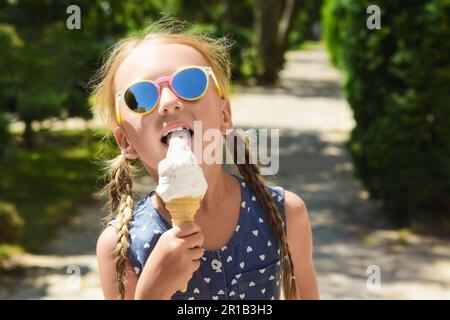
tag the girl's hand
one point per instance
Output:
(172, 262)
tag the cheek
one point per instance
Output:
(208, 111)
(145, 142)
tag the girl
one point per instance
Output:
(248, 239)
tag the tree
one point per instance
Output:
(273, 20)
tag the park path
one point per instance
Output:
(350, 240)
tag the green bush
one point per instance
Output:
(4, 133)
(332, 29)
(10, 222)
(398, 85)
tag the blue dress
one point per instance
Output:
(249, 266)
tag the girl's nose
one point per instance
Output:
(168, 101)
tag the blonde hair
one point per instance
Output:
(120, 170)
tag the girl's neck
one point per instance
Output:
(219, 184)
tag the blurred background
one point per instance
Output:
(362, 98)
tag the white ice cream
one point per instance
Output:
(179, 173)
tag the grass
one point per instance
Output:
(48, 182)
(7, 250)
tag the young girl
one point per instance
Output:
(248, 240)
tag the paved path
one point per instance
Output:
(351, 240)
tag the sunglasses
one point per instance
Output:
(189, 83)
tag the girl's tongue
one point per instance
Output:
(182, 134)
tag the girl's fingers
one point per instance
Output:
(187, 228)
(194, 240)
(196, 253)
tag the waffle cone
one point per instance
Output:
(183, 209)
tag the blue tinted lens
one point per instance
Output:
(141, 97)
(190, 83)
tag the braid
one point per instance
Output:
(121, 202)
(252, 177)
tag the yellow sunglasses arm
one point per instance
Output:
(117, 107)
(219, 91)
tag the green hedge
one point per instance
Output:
(4, 134)
(398, 85)
(332, 29)
(10, 222)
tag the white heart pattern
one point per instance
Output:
(196, 290)
(232, 293)
(224, 248)
(237, 228)
(207, 280)
(243, 204)
(216, 264)
(242, 296)
(233, 281)
(204, 258)
(215, 298)
(229, 258)
(255, 232)
(136, 270)
(220, 292)
(147, 245)
(253, 198)
(243, 184)
(157, 231)
(269, 243)
(191, 298)
(251, 284)
(271, 278)
(238, 276)
(262, 256)
(242, 265)
(261, 220)
(263, 290)
(262, 270)
(249, 249)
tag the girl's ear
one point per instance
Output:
(226, 116)
(124, 144)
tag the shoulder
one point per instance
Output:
(293, 203)
(106, 242)
(295, 210)
(288, 201)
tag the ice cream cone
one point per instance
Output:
(183, 210)
(181, 182)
